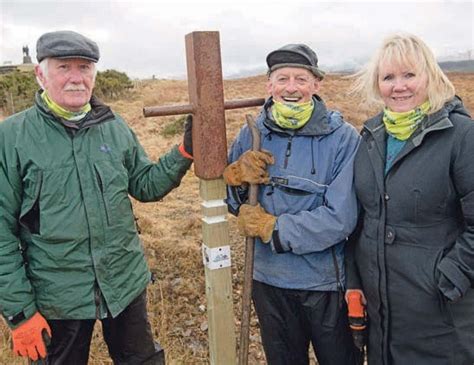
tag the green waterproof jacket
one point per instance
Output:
(68, 241)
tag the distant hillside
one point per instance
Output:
(449, 66)
(458, 66)
(349, 67)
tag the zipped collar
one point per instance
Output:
(375, 128)
(318, 125)
(99, 113)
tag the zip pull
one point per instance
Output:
(288, 151)
(288, 146)
(272, 188)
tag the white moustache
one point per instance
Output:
(75, 88)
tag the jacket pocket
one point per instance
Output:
(100, 184)
(112, 182)
(51, 202)
(445, 309)
(444, 305)
(292, 194)
(430, 202)
(30, 210)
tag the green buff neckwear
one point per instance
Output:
(402, 125)
(63, 113)
(292, 115)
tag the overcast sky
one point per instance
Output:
(145, 38)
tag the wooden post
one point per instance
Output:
(206, 95)
(216, 257)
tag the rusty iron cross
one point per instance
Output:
(207, 105)
(206, 95)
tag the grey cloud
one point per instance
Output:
(145, 39)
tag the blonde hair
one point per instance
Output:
(404, 49)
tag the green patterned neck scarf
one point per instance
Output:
(63, 113)
(292, 115)
(402, 125)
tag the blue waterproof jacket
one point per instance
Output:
(311, 193)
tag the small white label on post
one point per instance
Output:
(216, 257)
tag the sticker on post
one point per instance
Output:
(216, 257)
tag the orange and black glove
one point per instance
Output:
(186, 147)
(356, 312)
(355, 293)
(28, 338)
(253, 221)
(249, 168)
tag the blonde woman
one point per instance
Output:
(413, 253)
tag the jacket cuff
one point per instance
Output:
(15, 321)
(353, 280)
(276, 242)
(177, 157)
(448, 289)
(277, 245)
(452, 282)
(183, 152)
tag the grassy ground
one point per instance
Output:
(171, 228)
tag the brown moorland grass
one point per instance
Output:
(171, 228)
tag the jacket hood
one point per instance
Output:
(318, 125)
(457, 105)
(454, 105)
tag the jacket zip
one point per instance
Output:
(309, 180)
(417, 203)
(101, 188)
(288, 151)
(35, 225)
(340, 286)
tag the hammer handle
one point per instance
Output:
(249, 253)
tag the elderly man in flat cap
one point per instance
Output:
(307, 207)
(69, 249)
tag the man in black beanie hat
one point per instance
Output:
(307, 207)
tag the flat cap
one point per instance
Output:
(294, 55)
(66, 44)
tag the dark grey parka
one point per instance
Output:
(413, 252)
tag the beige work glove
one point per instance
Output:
(253, 221)
(249, 168)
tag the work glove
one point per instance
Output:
(28, 338)
(357, 316)
(249, 168)
(253, 221)
(186, 148)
